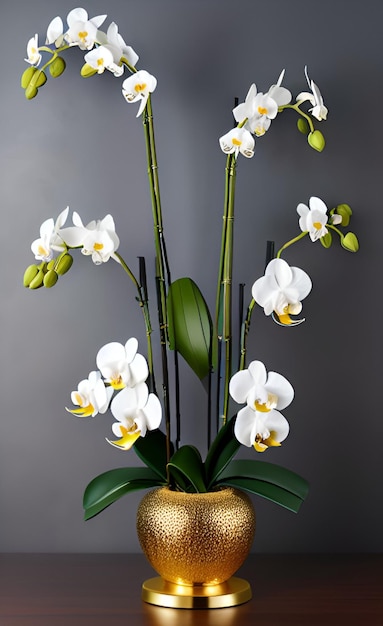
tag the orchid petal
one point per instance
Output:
(55, 30)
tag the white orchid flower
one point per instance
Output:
(318, 110)
(49, 241)
(281, 95)
(238, 140)
(245, 110)
(265, 110)
(101, 59)
(260, 108)
(34, 56)
(122, 366)
(138, 87)
(137, 411)
(281, 290)
(313, 218)
(261, 430)
(113, 41)
(98, 238)
(261, 390)
(91, 397)
(82, 31)
(259, 424)
(55, 32)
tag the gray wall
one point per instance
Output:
(79, 143)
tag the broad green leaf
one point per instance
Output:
(222, 450)
(268, 472)
(187, 463)
(112, 485)
(189, 325)
(265, 490)
(152, 451)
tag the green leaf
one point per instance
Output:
(108, 487)
(270, 473)
(187, 469)
(151, 449)
(189, 325)
(221, 451)
(266, 490)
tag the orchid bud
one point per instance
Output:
(57, 67)
(63, 264)
(345, 211)
(27, 76)
(303, 126)
(316, 140)
(87, 70)
(39, 78)
(50, 278)
(31, 92)
(350, 242)
(38, 280)
(326, 240)
(30, 274)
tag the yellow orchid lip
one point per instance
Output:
(127, 440)
(286, 320)
(82, 411)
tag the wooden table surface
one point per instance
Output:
(105, 590)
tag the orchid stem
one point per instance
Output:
(245, 327)
(296, 108)
(161, 259)
(224, 290)
(143, 302)
(290, 243)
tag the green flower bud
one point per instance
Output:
(345, 211)
(316, 140)
(31, 92)
(303, 126)
(37, 281)
(87, 70)
(326, 240)
(51, 264)
(27, 76)
(50, 278)
(30, 274)
(57, 67)
(64, 263)
(39, 79)
(350, 242)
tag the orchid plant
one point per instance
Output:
(124, 381)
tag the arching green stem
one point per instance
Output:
(336, 230)
(296, 108)
(290, 243)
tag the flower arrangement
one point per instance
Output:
(124, 381)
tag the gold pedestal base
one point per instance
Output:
(162, 593)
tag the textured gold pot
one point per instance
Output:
(196, 538)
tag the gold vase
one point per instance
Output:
(196, 542)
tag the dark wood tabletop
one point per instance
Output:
(105, 590)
